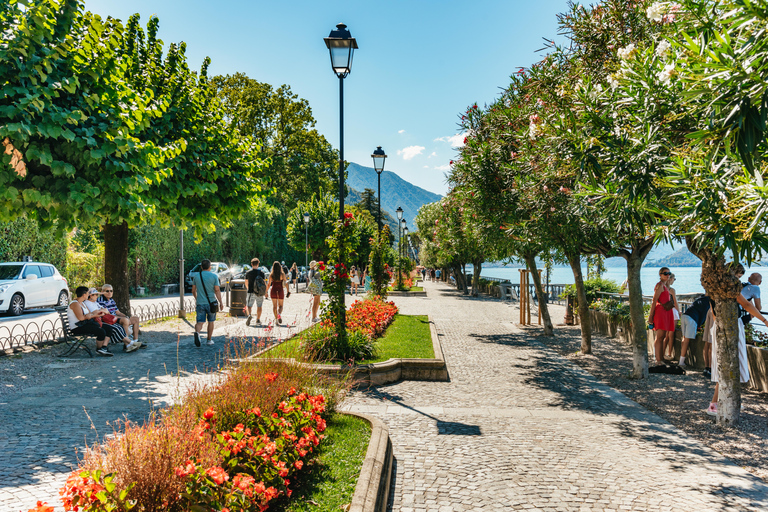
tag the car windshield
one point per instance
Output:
(10, 271)
(196, 268)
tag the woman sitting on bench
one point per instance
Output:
(114, 330)
(82, 321)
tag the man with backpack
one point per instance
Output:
(256, 285)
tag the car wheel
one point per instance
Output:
(63, 299)
(16, 306)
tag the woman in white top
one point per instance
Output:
(82, 321)
(115, 332)
(355, 277)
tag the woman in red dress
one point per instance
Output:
(662, 319)
(276, 284)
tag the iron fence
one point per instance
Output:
(48, 330)
(552, 291)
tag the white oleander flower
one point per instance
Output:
(662, 49)
(627, 52)
(612, 81)
(667, 73)
(656, 11)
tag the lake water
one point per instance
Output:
(687, 279)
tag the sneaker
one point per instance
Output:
(707, 373)
(315, 320)
(279, 320)
(144, 344)
(133, 346)
(209, 342)
(712, 409)
(258, 323)
(248, 320)
(104, 352)
(197, 339)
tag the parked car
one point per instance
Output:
(222, 270)
(31, 284)
(303, 274)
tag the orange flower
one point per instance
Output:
(217, 474)
(209, 413)
(271, 377)
(42, 506)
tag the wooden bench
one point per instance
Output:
(72, 342)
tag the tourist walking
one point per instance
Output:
(256, 286)
(205, 289)
(742, 350)
(355, 280)
(661, 319)
(295, 276)
(669, 342)
(315, 287)
(277, 285)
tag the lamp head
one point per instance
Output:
(378, 159)
(341, 46)
(306, 218)
(399, 212)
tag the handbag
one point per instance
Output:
(670, 304)
(109, 319)
(214, 304)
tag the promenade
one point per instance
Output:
(517, 426)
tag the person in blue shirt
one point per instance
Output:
(205, 289)
(690, 321)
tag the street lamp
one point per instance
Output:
(405, 234)
(182, 309)
(341, 46)
(306, 240)
(378, 164)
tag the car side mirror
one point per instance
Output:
(30, 277)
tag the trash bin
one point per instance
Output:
(238, 296)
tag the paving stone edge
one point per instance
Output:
(372, 489)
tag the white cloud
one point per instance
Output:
(456, 141)
(400, 131)
(410, 152)
(443, 167)
(434, 153)
(426, 167)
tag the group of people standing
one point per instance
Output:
(665, 311)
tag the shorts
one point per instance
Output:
(252, 297)
(204, 313)
(688, 326)
(277, 293)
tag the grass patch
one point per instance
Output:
(411, 289)
(329, 481)
(408, 336)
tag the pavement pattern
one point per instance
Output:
(521, 428)
(516, 428)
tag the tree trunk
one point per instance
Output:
(116, 264)
(530, 260)
(637, 316)
(723, 287)
(477, 266)
(586, 324)
(464, 286)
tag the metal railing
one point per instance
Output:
(684, 304)
(49, 329)
(552, 291)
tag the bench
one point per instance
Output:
(72, 342)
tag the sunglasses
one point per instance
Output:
(107, 291)
(665, 273)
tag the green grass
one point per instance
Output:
(411, 289)
(408, 336)
(328, 483)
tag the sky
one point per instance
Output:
(419, 65)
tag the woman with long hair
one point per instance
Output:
(661, 319)
(315, 287)
(276, 284)
(669, 343)
(355, 280)
(295, 276)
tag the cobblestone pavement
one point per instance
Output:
(521, 428)
(42, 426)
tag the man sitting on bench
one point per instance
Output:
(106, 301)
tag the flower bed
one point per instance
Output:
(230, 446)
(371, 316)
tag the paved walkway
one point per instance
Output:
(520, 428)
(79, 399)
(516, 428)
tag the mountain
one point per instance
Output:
(395, 191)
(680, 258)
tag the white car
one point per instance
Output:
(31, 284)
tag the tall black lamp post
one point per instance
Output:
(400, 219)
(306, 240)
(378, 164)
(405, 234)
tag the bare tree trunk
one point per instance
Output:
(464, 287)
(723, 287)
(530, 260)
(477, 266)
(635, 260)
(116, 264)
(586, 324)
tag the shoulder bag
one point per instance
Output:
(214, 304)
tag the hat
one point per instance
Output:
(312, 264)
(94, 291)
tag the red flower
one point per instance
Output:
(186, 470)
(292, 391)
(209, 413)
(271, 377)
(348, 215)
(42, 506)
(217, 474)
(298, 464)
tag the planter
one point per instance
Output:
(372, 489)
(395, 293)
(386, 372)
(758, 368)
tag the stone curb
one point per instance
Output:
(372, 489)
(395, 293)
(389, 371)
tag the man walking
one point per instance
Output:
(256, 284)
(205, 289)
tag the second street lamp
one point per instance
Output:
(378, 164)
(306, 241)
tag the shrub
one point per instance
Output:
(322, 344)
(85, 269)
(371, 316)
(591, 287)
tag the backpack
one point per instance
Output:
(260, 285)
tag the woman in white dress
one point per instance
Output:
(742, 349)
(355, 276)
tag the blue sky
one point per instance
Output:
(420, 63)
